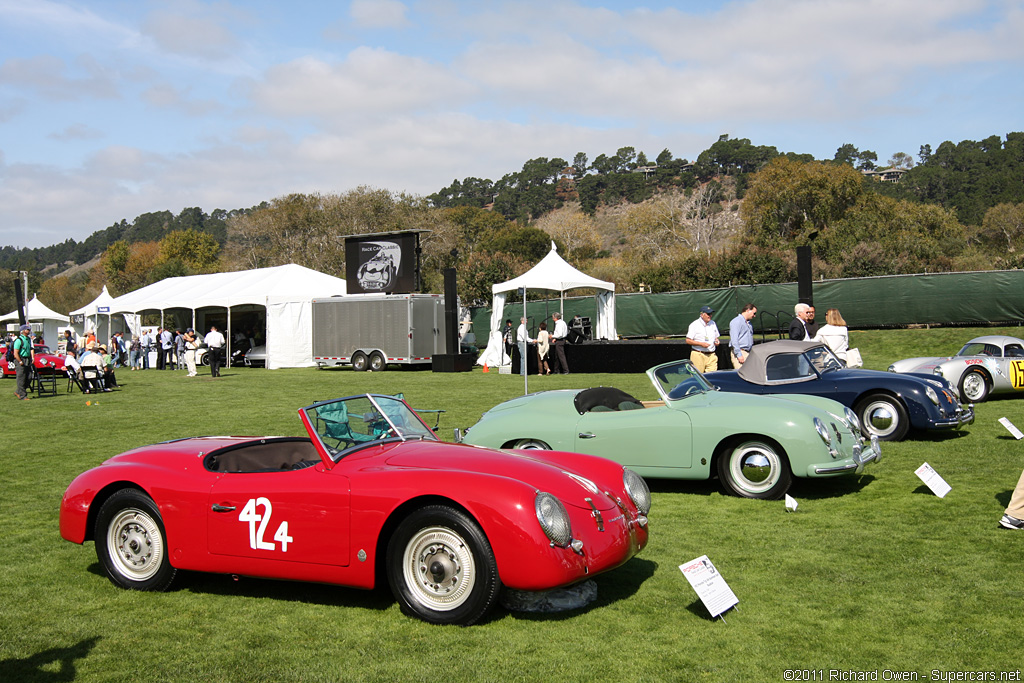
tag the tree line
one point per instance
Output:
(733, 215)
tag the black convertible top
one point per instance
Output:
(607, 398)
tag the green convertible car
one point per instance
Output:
(755, 444)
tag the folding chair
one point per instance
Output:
(44, 383)
(93, 379)
(73, 380)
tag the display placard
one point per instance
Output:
(709, 585)
(381, 264)
(1012, 428)
(932, 480)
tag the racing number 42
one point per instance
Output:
(250, 515)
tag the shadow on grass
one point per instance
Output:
(936, 436)
(328, 595)
(55, 664)
(614, 586)
(819, 489)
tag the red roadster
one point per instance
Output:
(372, 492)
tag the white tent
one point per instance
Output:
(37, 312)
(97, 316)
(286, 292)
(552, 273)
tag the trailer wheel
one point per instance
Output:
(359, 361)
(377, 362)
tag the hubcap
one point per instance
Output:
(974, 386)
(439, 568)
(880, 418)
(755, 468)
(134, 544)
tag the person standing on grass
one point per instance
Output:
(190, 351)
(703, 338)
(558, 363)
(1013, 516)
(214, 346)
(741, 335)
(24, 360)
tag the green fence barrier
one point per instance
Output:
(977, 298)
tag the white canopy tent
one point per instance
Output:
(554, 274)
(286, 291)
(98, 316)
(39, 313)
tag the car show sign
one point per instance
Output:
(709, 585)
(932, 480)
(382, 263)
(1012, 428)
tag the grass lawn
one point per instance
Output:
(871, 574)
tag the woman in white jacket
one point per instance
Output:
(834, 333)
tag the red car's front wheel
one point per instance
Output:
(441, 567)
(131, 543)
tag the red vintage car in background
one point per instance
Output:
(371, 492)
(44, 361)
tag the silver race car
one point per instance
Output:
(993, 364)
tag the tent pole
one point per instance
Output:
(227, 340)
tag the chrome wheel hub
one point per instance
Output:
(134, 544)
(439, 568)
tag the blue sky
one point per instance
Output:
(112, 108)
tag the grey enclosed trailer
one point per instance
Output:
(369, 332)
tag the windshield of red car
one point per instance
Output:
(347, 423)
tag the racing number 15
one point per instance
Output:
(249, 514)
(1017, 374)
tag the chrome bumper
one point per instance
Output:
(964, 416)
(861, 456)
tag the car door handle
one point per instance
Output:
(587, 435)
(223, 508)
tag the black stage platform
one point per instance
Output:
(624, 355)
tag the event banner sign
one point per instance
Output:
(381, 264)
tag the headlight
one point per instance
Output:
(932, 396)
(937, 371)
(822, 431)
(852, 418)
(892, 368)
(553, 518)
(637, 489)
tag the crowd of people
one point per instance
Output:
(550, 346)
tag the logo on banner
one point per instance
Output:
(380, 261)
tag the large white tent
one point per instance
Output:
(554, 274)
(39, 313)
(286, 291)
(98, 317)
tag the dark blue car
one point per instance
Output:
(887, 404)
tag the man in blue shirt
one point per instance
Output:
(741, 335)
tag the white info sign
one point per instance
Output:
(932, 480)
(709, 585)
(1012, 428)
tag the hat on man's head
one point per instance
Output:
(25, 328)
(707, 309)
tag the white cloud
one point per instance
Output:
(78, 131)
(190, 36)
(47, 77)
(378, 13)
(369, 81)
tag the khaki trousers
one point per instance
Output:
(704, 362)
